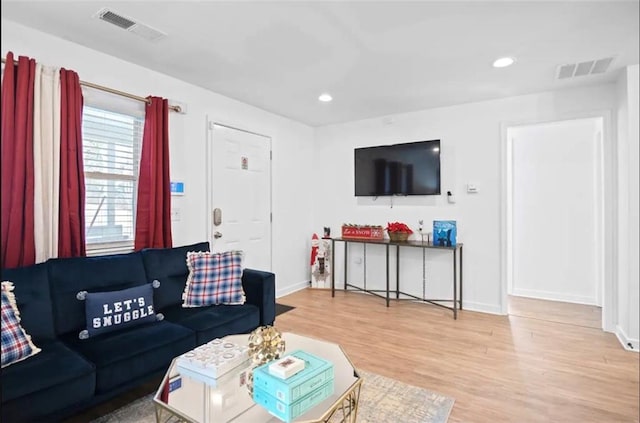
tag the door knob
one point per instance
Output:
(217, 235)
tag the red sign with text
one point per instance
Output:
(363, 232)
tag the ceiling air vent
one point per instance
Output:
(590, 67)
(131, 25)
(115, 19)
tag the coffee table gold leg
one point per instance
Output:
(354, 399)
(348, 407)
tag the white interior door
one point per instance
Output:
(240, 187)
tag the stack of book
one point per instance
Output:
(211, 361)
(292, 385)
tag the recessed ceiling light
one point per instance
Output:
(503, 62)
(325, 97)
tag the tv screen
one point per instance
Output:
(400, 169)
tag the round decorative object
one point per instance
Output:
(250, 381)
(398, 236)
(265, 344)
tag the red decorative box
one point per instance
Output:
(363, 232)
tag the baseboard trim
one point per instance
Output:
(292, 288)
(482, 307)
(554, 296)
(627, 343)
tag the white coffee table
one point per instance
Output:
(229, 401)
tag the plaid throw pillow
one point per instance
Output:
(16, 344)
(214, 278)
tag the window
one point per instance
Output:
(111, 152)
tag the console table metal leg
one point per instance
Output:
(455, 284)
(424, 274)
(461, 266)
(346, 247)
(364, 254)
(388, 275)
(333, 275)
(397, 272)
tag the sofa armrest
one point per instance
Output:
(260, 290)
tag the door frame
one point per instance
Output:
(607, 213)
(211, 122)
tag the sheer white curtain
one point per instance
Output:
(46, 158)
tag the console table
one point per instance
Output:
(456, 251)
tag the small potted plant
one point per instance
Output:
(398, 231)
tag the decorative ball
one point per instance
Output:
(265, 344)
(250, 382)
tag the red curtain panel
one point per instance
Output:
(153, 213)
(17, 233)
(71, 240)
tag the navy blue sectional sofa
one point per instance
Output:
(71, 374)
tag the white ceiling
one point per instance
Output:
(375, 58)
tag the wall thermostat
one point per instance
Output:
(177, 188)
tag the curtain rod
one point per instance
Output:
(114, 91)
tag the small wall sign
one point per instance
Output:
(244, 162)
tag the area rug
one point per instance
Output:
(382, 400)
(282, 308)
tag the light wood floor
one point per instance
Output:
(498, 368)
(555, 311)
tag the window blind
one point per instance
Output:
(111, 154)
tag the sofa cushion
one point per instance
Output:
(116, 310)
(123, 356)
(92, 274)
(52, 380)
(215, 321)
(169, 266)
(31, 288)
(214, 278)
(16, 343)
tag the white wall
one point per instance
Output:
(633, 79)
(556, 210)
(627, 187)
(303, 203)
(291, 141)
(471, 153)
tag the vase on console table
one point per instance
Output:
(398, 236)
(398, 231)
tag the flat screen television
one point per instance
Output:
(400, 169)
